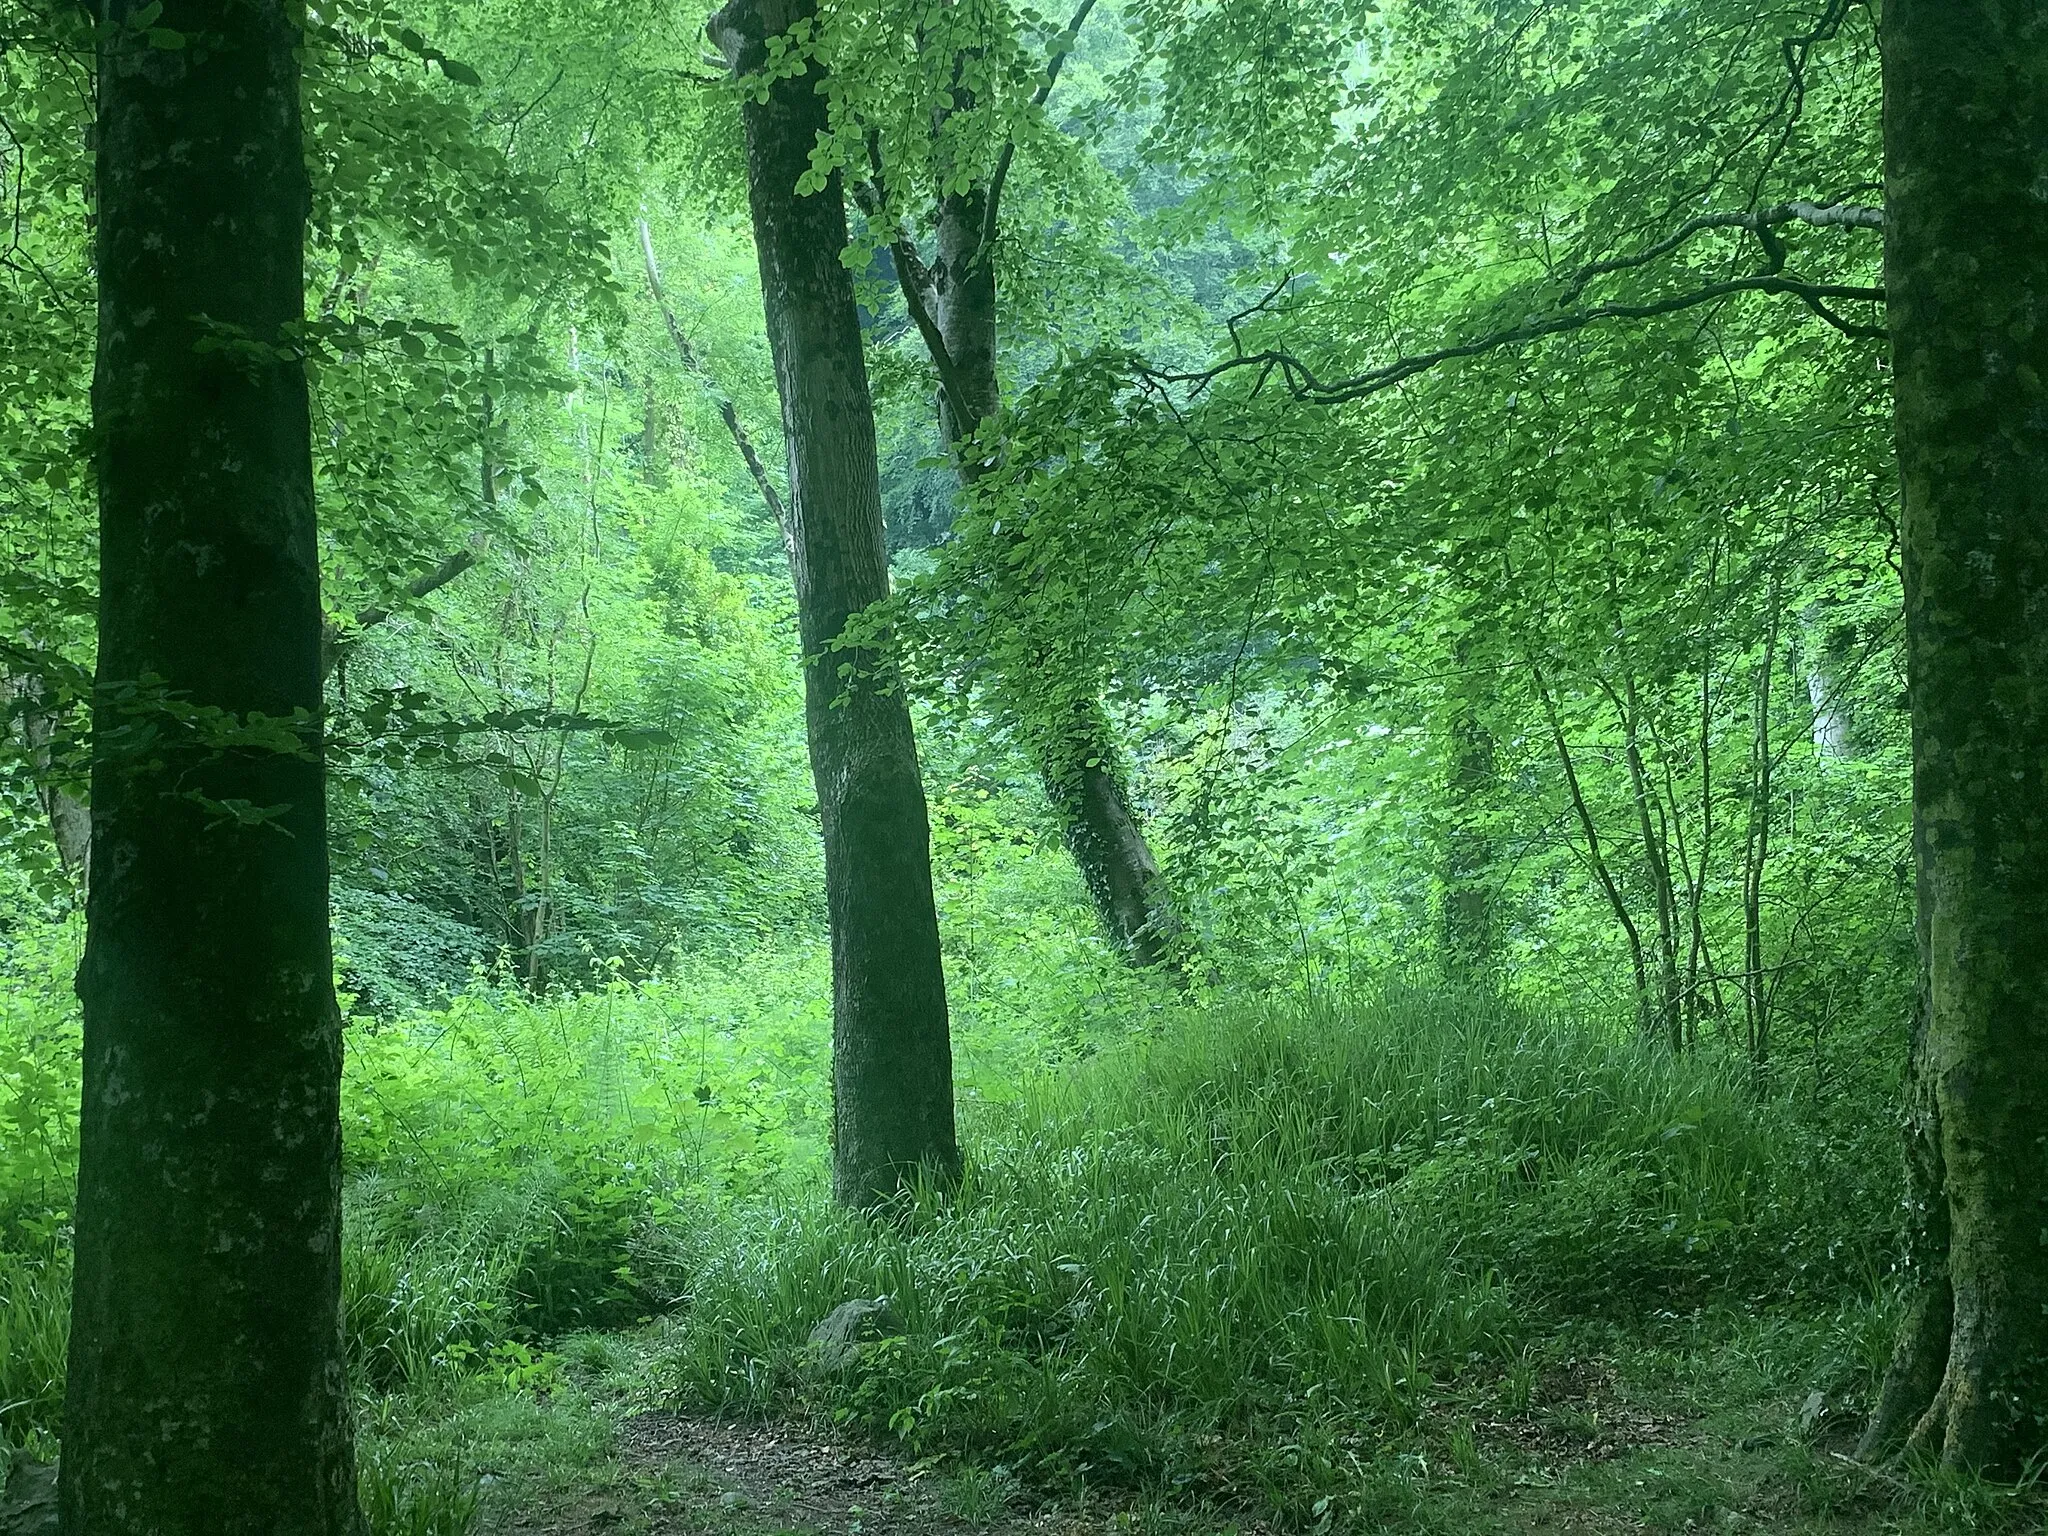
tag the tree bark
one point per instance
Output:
(206, 1391)
(1467, 920)
(1965, 129)
(1920, 1355)
(70, 822)
(892, 1067)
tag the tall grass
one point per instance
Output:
(1264, 1222)
(35, 1327)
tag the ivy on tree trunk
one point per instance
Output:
(1073, 749)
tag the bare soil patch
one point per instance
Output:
(686, 1474)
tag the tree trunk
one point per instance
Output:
(1471, 773)
(1756, 852)
(70, 822)
(1652, 828)
(1920, 1355)
(206, 1391)
(1965, 122)
(1124, 880)
(892, 1067)
(1596, 860)
(964, 282)
(1077, 760)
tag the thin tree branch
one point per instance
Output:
(1039, 98)
(1759, 222)
(334, 641)
(726, 410)
(1305, 386)
(1764, 223)
(915, 279)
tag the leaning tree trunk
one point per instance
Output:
(206, 1392)
(892, 1065)
(1084, 782)
(1075, 754)
(1966, 226)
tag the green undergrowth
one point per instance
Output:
(520, 1168)
(1214, 1258)
(1204, 1251)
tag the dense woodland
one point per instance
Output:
(1191, 766)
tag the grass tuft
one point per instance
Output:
(35, 1330)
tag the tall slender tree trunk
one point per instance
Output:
(206, 1392)
(1075, 753)
(1596, 859)
(1699, 960)
(1467, 919)
(1756, 851)
(70, 822)
(1652, 828)
(892, 1065)
(1966, 226)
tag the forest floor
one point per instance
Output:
(1619, 1435)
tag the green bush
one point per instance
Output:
(39, 1072)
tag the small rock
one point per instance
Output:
(1811, 1410)
(835, 1342)
(28, 1502)
(732, 1501)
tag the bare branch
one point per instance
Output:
(1303, 384)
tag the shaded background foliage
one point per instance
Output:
(1564, 675)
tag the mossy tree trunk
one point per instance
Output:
(206, 1392)
(1966, 274)
(892, 1067)
(1084, 781)
(1074, 751)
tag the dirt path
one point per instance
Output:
(1585, 1455)
(693, 1475)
